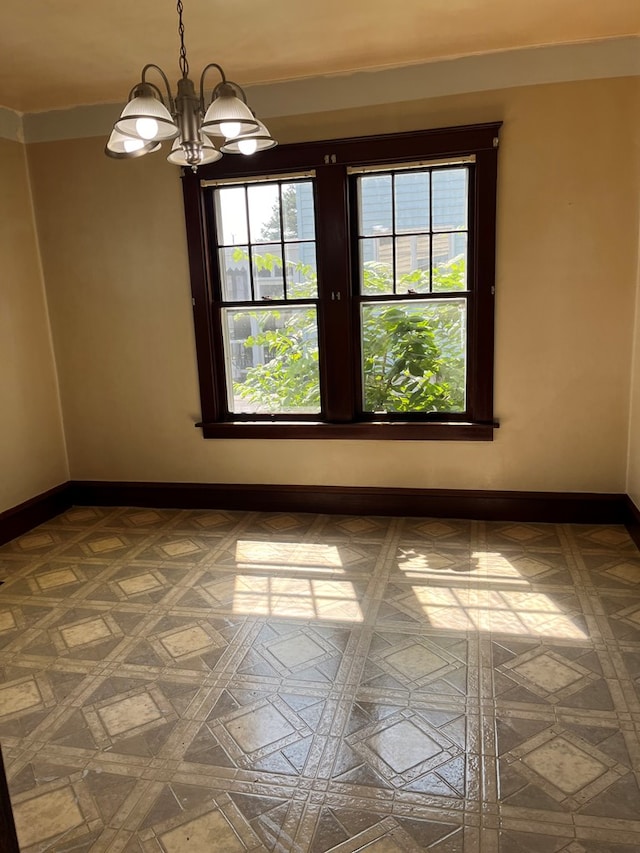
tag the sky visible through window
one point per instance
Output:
(233, 225)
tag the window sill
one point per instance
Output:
(381, 431)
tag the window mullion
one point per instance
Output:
(394, 261)
(483, 198)
(249, 246)
(334, 291)
(282, 244)
(431, 231)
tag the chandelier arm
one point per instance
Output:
(202, 76)
(239, 89)
(151, 86)
(146, 68)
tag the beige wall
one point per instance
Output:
(633, 470)
(633, 462)
(114, 253)
(32, 452)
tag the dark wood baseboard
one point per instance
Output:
(8, 837)
(24, 517)
(633, 520)
(554, 507)
(444, 503)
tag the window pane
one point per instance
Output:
(298, 211)
(268, 275)
(449, 199)
(301, 270)
(272, 360)
(264, 212)
(376, 265)
(374, 195)
(412, 201)
(412, 263)
(450, 261)
(231, 216)
(234, 274)
(414, 356)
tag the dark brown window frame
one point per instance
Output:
(338, 322)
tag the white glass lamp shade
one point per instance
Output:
(209, 153)
(124, 147)
(228, 116)
(147, 118)
(247, 143)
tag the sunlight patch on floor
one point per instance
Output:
(292, 556)
(301, 598)
(515, 610)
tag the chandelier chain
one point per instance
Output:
(184, 63)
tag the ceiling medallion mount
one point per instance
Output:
(151, 117)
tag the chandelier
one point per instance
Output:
(150, 118)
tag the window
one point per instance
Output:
(345, 289)
(264, 251)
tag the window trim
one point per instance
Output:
(331, 159)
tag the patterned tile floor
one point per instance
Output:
(215, 681)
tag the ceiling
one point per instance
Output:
(63, 53)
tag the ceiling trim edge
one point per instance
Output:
(508, 69)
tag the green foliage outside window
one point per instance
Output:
(413, 352)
